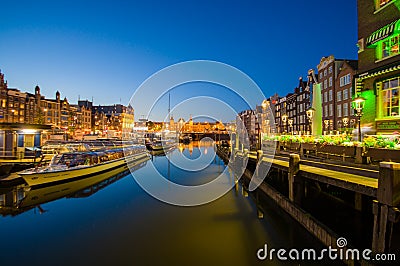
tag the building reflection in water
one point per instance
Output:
(196, 144)
(18, 199)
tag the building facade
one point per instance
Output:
(344, 89)
(113, 120)
(328, 70)
(303, 104)
(280, 111)
(247, 125)
(378, 81)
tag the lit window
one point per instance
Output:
(390, 97)
(330, 96)
(330, 109)
(325, 96)
(325, 84)
(330, 70)
(389, 47)
(381, 3)
(326, 110)
(325, 73)
(330, 81)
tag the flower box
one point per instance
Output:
(308, 148)
(380, 154)
(290, 146)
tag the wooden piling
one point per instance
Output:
(388, 196)
(294, 167)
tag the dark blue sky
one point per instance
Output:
(106, 49)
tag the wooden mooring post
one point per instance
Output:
(384, 208)
(296, 182)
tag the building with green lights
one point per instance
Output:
(378, 80)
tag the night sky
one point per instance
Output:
(106, 49)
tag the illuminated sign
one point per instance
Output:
(388, 125)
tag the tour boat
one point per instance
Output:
(77, 165)
(32, 197)
(160, 145)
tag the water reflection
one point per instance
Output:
(123, 225)
(21, 198)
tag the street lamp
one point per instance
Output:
(345, 123)
(310, 113)
(326, 122)
(290, 122)
(284, 119)
(358, 106)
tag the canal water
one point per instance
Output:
(117, 223)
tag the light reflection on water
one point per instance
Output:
(122, 225)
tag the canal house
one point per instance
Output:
(378, 81)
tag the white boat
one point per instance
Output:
(49, 150)
(77, 165)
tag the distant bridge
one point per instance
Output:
(200, 135)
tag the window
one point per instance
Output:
(330, 109)
(360, 45)
(345, 80)
(325, 97)
(330, 82)
(345, 109)
(381, 3)
(326, 110)
(350, 92)
(339, 96)
(320, 75)
(330, 95)
(389, 47)
(325, 73)
(339, 110)
(345, 94)
(390, 97)
(325, 84)
(330, 70)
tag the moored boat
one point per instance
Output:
(76, 165)
(160, 145)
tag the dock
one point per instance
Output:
(377, 183)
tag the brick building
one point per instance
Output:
(378, 80)
(344, 89)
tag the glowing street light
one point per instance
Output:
(284, 119)
(358, 106)
(310, 114)
(326, 122)
(290, 122)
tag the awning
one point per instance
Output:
(378, 72)
(383, 33)
(359, 84)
